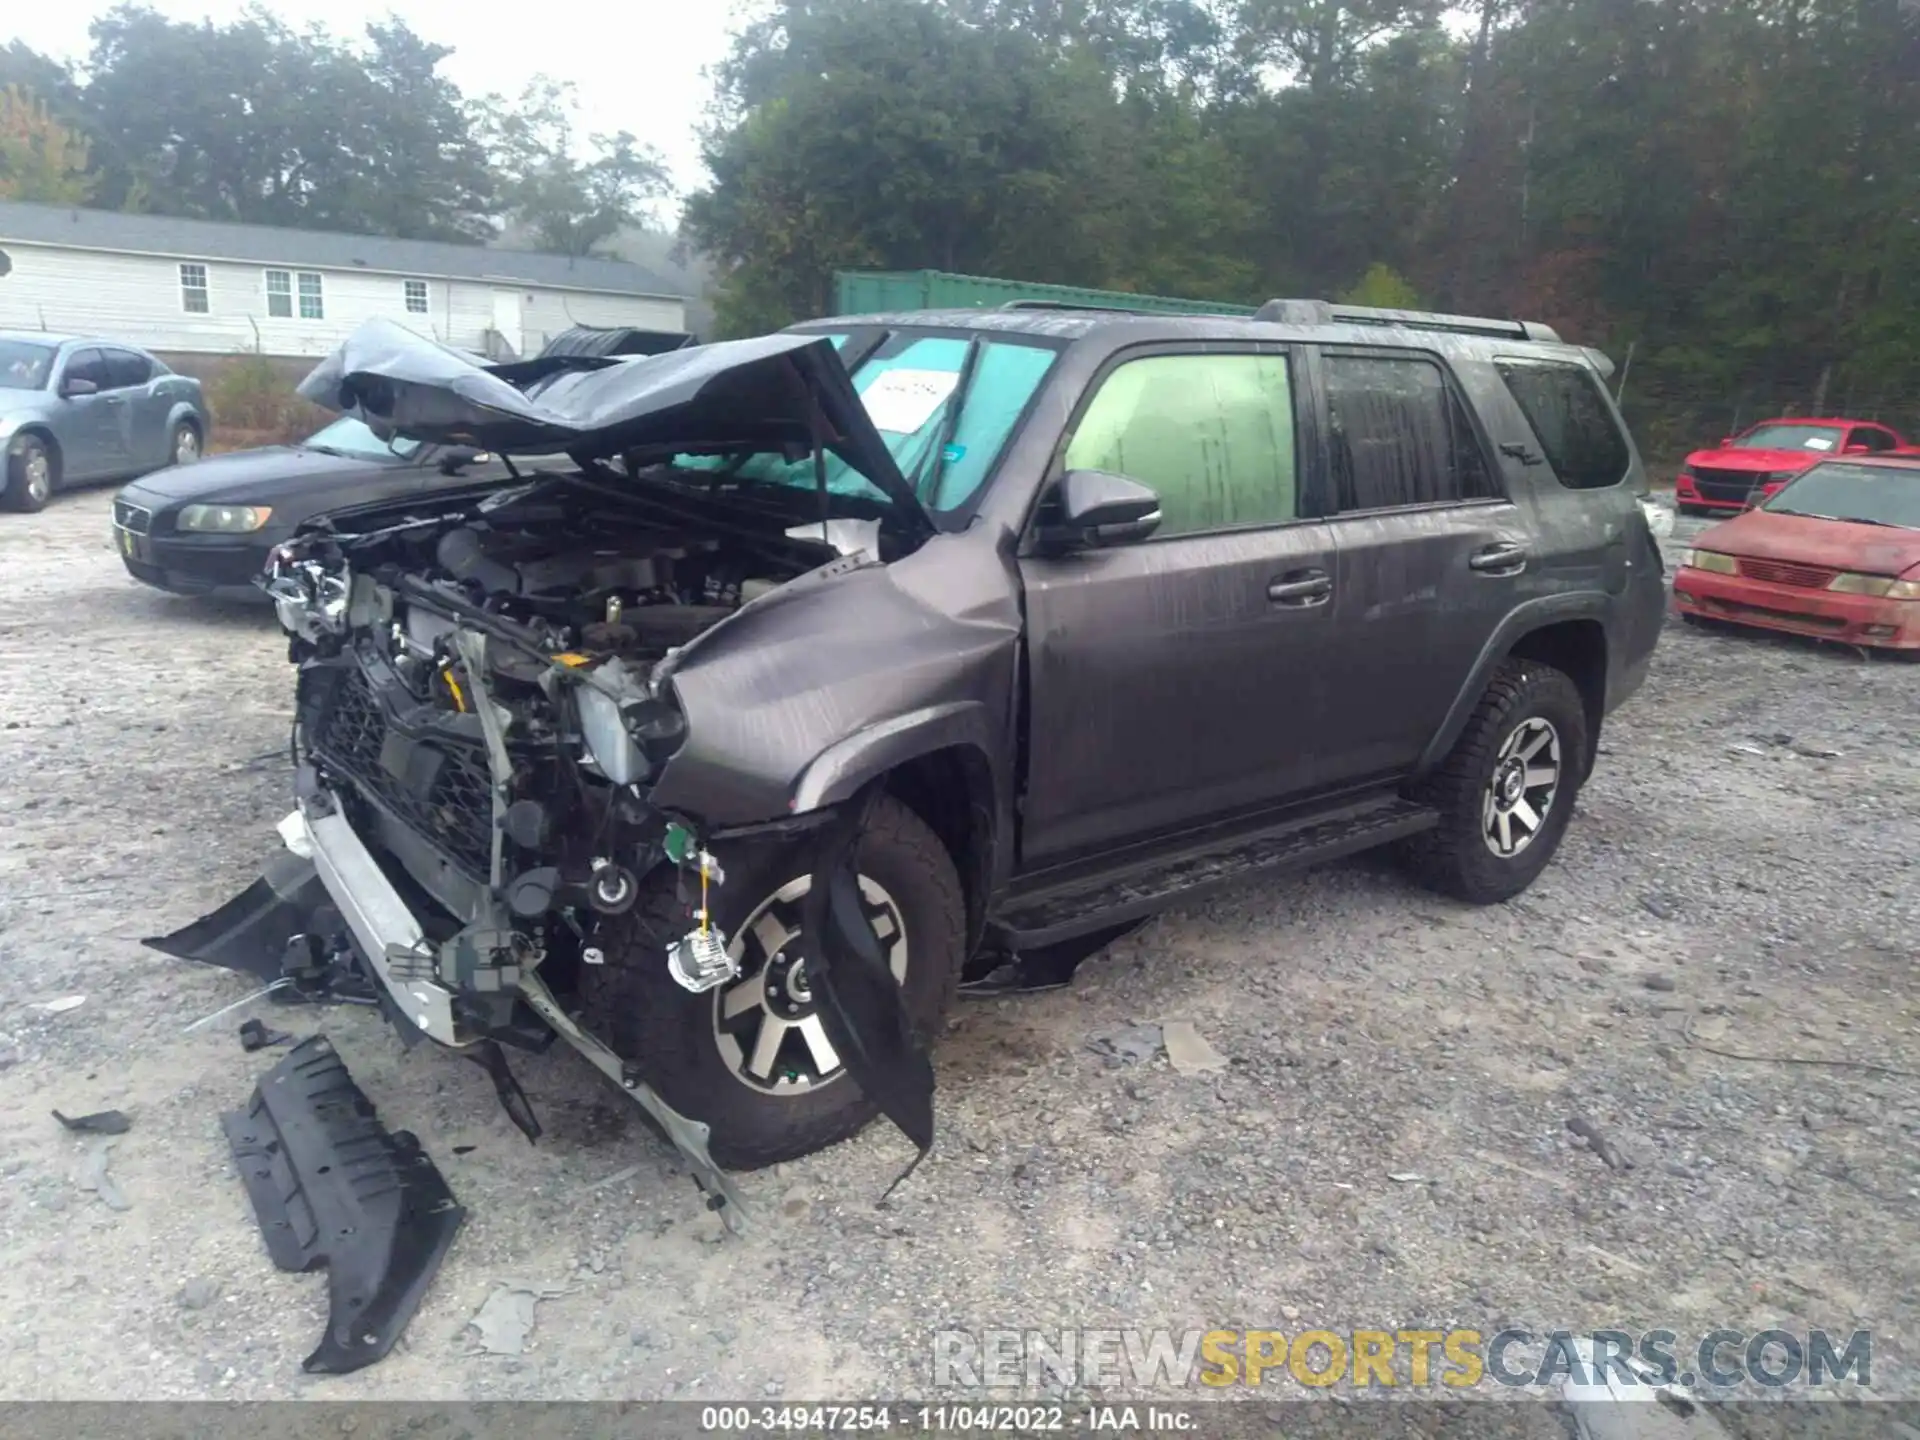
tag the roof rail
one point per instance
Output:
(1322, 312)
(1075, 305)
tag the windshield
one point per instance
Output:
(1872, 494)
(1790, 437)
(909, 385)
(24, 366)
(347, 436)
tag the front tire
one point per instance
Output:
(32, 472)
(1506, 792)
(751, 1059)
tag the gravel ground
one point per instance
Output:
(1741, 875)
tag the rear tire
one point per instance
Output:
(32, 474)
(183, 446)
(1506, 792)
(778, 1103)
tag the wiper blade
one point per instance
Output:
(926, 484)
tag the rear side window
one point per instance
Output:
(1399, 435)
(126, 369)
(1570, 416)
(1211, 435)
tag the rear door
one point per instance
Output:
(1432, 554)
(144, 418)
(1181, 678)
(88, 426)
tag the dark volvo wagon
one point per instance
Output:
(838, 665)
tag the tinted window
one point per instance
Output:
(126, 369)
(1872, 439)
(1212, 435)
(87, 365)
(1569, 414)
(1398, 435)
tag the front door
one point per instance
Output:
(1182, 677)
(88, 426)
(509, 321)
(1432, 554)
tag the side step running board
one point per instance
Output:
(1051, 916)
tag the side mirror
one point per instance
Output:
(1726, 441)
(75, 386)
(1092, 509)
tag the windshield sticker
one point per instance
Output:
(1819, 442)
(902, 401)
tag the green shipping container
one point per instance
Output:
(866, 292)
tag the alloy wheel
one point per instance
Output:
(186, 446)
(1522, 791)
(39, 477)
(766, 1024)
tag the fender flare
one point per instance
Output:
(188, 411)
(838, 773)
(1534, 615)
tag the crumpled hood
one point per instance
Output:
(767, 393)
(1758, 461)
(1808, 540)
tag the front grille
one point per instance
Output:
(1724, 484)
(1779, 572)
(132, 517)
(455, 808)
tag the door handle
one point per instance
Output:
(1525, 454)
(1507, 557)
(1302, 588)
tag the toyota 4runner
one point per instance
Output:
(844, 662)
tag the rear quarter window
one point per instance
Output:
(1571, 419)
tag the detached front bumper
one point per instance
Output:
(1851, 619)
(386, 932)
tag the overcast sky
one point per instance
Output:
(636, 63)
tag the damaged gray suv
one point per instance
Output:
(846, 664)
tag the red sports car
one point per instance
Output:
(1761, 460)
(1835, 554)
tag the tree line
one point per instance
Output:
(1727, 192)
(257, 122)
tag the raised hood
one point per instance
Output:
(769, 393)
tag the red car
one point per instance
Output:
(1834, 554)
(1761, 460)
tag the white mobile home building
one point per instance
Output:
(205, 287)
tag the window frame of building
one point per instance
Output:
(279, 285)
(318, 295)
(195, 281)
(409, 290)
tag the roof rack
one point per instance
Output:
(1321, 312)
(1074, 305)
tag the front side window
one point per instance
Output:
(193, 289)
(1211, 435)
(311, 306)
(280, 294)
(416, 296)
(88, 365)
(1569, 414)
(1399, 436)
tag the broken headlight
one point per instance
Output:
(609, 746)
(309, 599)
